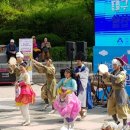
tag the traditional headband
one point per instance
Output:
(117, 62)
(19, 54)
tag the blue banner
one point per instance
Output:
(104, 55)
(112, 22)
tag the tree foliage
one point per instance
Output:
(67, 19)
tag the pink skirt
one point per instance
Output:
(69, 107)
(27, 95)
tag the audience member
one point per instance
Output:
(11, 49)
(36, 50)
(45, 46)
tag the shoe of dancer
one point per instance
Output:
(45, 107)
(63, 128)
(26, 124)
(125, 127)
(52, 111)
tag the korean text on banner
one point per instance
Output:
(26, 47)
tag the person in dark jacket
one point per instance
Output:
(11, 49)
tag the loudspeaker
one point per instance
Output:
(81, 46)
(70, 50)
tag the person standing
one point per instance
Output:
(45, 46)
(36, 50)
(15, 68)
(11, 49)
(118, 98)
(67, 103)
(81, 76)
(48, 91)
(24, 93)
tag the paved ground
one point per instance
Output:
(10, 118)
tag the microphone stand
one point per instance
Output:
(98, 85)
(72, 49)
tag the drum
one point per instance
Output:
(103, 68)
(12, 61)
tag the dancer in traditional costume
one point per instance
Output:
(14, 68)
(67, 103)
(81, 76)
(24, 94)
(48, 91)
(118, 99)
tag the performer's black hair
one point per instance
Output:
(24, 64)
(71, 71)
(121, 69)
(48, 58)
(68, 70)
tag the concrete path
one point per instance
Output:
(11, 119)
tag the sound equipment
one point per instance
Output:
(70, 50)
(81, 46)
(6, 77)
(73, 48)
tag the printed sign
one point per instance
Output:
(26, 47)
(112, 22)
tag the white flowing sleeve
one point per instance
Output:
(84, 74)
